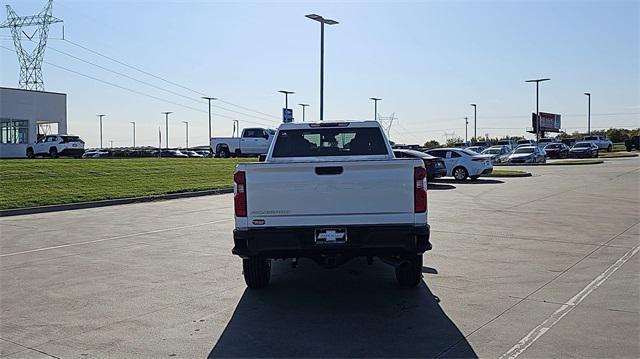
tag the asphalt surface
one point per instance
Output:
(544, 266)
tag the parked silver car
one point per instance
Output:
(497, 154)
(528, 154)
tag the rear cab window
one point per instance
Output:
(329, 141)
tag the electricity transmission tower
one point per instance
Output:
(386, 123)
(30, 61)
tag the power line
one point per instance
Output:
(161, 78)
(152, 85)
(136, 91)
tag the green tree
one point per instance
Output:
(431, 144)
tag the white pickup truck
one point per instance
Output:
(254, 141)
(601, 142)
(331, 191)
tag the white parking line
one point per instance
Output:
(539, 331)
(116, 237)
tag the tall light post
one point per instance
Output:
(475, 122)
(101, 116)
(322, 22)
(286, 97)
(588, 94)
(166, 126)
(375, 107)
(209, 99)
(466, 126)
(286, 101)
(134, 133)
(537, 81)
(303, 107)
(186, 135)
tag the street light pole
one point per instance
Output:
(466, 125)
(475, 122)
(101, 116)
(134, 133)
(589, 114)
(209, 99)
(322, 21)
(303, 107)
(286, 97)
(537, 81)
(375, 107)
(186, 123)
(166, 124)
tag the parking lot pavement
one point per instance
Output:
(544, 266)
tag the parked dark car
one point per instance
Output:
(569, 141)
(435, 165)
(556, 150)
(584, 149)
(634, 142)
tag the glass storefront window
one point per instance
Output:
(14, 131)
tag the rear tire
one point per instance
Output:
(409, 273)
(610, 148)
(224, 153)
(460, 173)
(53, 152)
(257, 272)
(30, 153)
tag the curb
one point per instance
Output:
(596, 162)
(527, 174)
(110, 202)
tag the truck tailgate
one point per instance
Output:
(330, 193)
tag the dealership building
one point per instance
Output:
(26, 115)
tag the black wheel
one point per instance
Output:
(256, 271)
(30, 153)
(473, 178)
(53, 152)
(460, 173)
(409, 272)
(596, 155)
(224, 153)
(610, 148)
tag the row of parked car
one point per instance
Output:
(459, 163)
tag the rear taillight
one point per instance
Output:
(240, 194)
(419, 190)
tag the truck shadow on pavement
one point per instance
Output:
(439, 186)
(352, 311)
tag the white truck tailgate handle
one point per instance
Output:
(333, 170)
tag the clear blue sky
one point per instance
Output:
(427, 60)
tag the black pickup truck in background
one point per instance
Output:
(632, 143)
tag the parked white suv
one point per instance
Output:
(462, 163)
(56, 145)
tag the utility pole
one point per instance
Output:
(375, 107)
(166, 124)
(209, 99)
(475, 122)
(588, 94)
(186, 125)
(466, 126)
(101, 116)
(134, 133)
(322, 22)
(303, 106)
(236, 129)
(537, 81)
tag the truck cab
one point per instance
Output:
(252, 142)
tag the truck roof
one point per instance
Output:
(302, 125)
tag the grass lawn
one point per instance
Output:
(29, 183)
